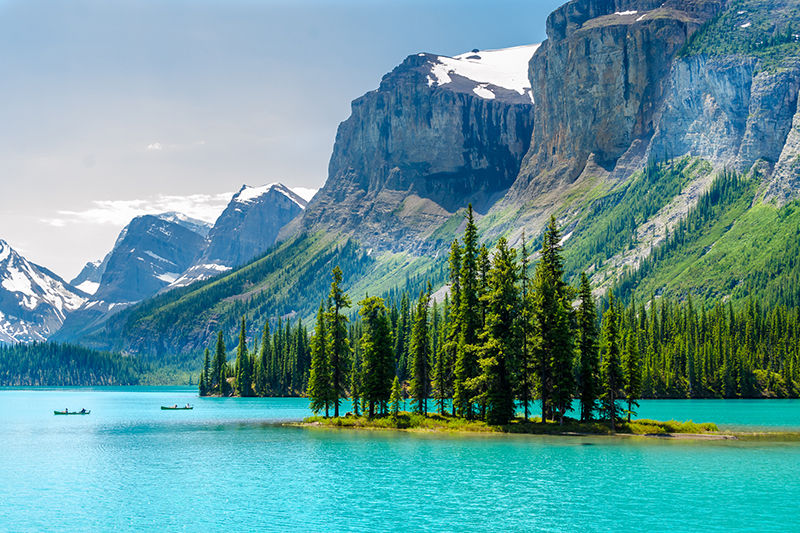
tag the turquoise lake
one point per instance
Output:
(229, 465)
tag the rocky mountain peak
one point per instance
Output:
(33, 301)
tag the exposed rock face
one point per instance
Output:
(33, 301)
(150, 254)
(249, 225)
(598, 82)
(251, 222)
(434, 137)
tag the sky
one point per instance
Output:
(111, 109)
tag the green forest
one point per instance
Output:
(45, 364)
(513, 336)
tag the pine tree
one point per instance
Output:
(264, 357)
(525, 367)
(632, 372)
(377, 366)
(218, 367)
(396, 397)
(551, 317)
(244, 371)
(501, 336)
(203, 385)
(611, 367)
(469, 322)
(588, 353)
(420, 354)
(440, 385)
(320, 382)
(339, 344)
(454, 325)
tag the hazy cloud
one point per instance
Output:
(205, 207)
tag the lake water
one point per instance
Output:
(227, 465)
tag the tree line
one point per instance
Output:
(509, 334)
(49, 364)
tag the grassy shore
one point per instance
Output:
(436, 422)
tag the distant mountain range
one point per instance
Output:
(151, 254)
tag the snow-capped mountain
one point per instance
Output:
(91, 276)
(248, 226)
(34, 302)
(151, 252)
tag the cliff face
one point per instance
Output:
(598, 82)
(435, 136)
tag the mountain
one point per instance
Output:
(440, 132)
(662, 135)
(246, 228)
(151, 252)
(90, 277)
(34, 302)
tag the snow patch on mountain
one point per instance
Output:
(249, 194)
(33, 301)
(506, 68)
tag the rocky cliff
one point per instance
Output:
(599, 82)
(438, 134)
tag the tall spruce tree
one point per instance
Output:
(377, 366)
(501, 345)
(420, 354)
(450, 348)
(320, 381)
(525, 368)
(203, 385)
(632, 372)
(469, 317)
(551, 316)
(611, 368)
(219, 367)
(339, 343)
(244, 381)
(588, 352)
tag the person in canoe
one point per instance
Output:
(83, 411)
(66, 410)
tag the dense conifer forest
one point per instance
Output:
(512, 336)
(47, 364)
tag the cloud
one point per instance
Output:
(119, 212)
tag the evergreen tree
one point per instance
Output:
(218, 367)
(396, 397)
(588, 353)
(525, 366)
(244, 383)
(339, 344)
(420, 353)
(203, 385)
(320, 382)
(501, 345)
(440, 385)
(611, 367)
(450, 348)
(469, 322)
(632, 372)
(551, 316)
(377, 366)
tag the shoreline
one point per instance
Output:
(648, 429)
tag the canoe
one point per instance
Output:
(165, 408)
(71, 412)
